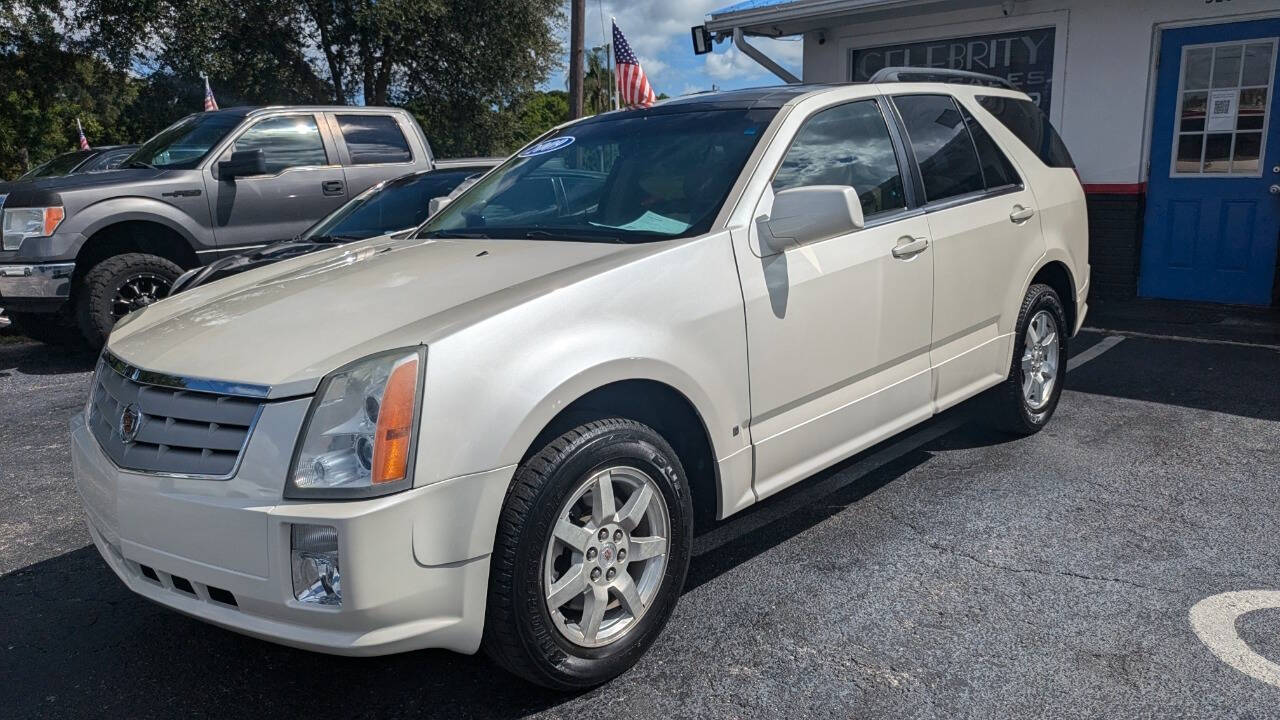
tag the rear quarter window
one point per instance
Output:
(1028, 122)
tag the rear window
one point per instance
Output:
(1026, 120)
(374, 139)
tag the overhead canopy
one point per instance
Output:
(775, 18)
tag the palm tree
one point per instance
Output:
(597, 85)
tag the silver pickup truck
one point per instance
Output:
(81, 251)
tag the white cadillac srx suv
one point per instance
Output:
(498, 433)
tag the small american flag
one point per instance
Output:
(633, 86)
(84, 141)
(209, 102)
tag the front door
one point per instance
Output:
(303, 183)
(838, 330)
(1213, 205)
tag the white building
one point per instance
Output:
(1168, 107)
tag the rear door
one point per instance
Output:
(373, 147)
(303, 182)
(986, 236)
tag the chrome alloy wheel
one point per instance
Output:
(1040, 360)
(139, 291)
(604, 562)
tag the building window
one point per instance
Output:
(846, 145)
(1224, 97)
(1024, 58)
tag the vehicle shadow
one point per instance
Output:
(74, 642)
(34, 358)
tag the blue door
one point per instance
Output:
(1213, 198)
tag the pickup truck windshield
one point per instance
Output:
(627, 178)
(182, 145)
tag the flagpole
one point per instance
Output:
(612, 66)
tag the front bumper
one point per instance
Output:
(415, 565)
(36, 281)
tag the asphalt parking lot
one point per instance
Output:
(952, 572)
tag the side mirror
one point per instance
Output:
(808, 214)
(436, 204)
(243, 163)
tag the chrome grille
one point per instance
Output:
(178, 431)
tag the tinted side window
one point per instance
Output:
(846, 145)
(944, 150)
(287, 141)
(374, 139)
(1026, 120)
(996, 168)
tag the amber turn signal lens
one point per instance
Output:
(395, 424)
(52, 219)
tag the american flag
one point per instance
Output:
(209, 102)
(633, 86)
(84, 141)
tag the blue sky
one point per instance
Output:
(658, 31)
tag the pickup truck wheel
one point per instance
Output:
(1024, 403)
(50, 328)
(116, 287)
(590, 557)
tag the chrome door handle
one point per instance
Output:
(1021, 214)
(910, 247)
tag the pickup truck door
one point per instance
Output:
(838, 331)
(375, 146)
(304, 182)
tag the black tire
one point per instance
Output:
(50, 328)
(519, 633)
(1008, 409)
(97, 293)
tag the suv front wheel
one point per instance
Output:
(116, 287)
(592, 548)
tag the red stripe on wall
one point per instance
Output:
(1115, 188)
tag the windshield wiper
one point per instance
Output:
(333, 238)
(139, 163)
(572, 235)
(465, 234)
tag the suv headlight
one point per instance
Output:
(359, 437)
(22, 223)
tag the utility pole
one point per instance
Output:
(577, 31)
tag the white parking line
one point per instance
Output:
(1214, 620)
(1092, 353)
(1180, 338)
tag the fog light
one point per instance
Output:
(316, 576)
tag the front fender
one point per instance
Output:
(105, 213)
(674, 317)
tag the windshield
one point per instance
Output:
(400, 204)
(60, 165)
(634, 177)
(182, 145)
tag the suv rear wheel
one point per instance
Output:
(1024, 403)
(116, 287)
(592, 548)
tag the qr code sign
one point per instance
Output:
(1221, 107)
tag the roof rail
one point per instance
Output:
(919, 74)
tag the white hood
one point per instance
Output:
(289, 324)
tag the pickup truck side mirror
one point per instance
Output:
(809, 214)
(243, 163)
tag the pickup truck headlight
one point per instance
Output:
(358, 440)
(22, 223)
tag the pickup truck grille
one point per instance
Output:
(171, 431)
